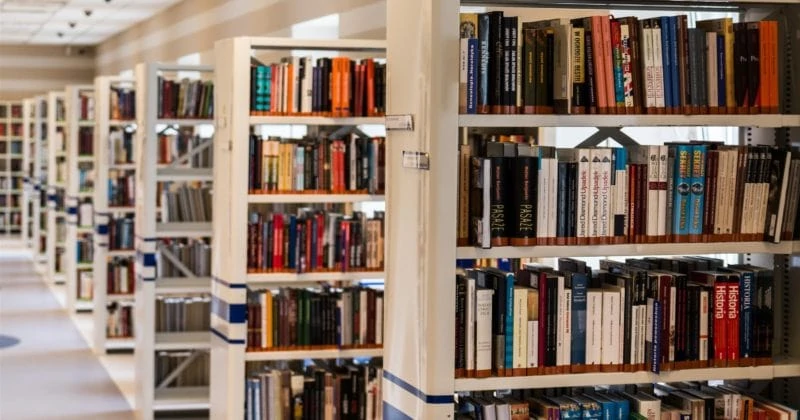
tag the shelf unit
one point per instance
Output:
(39, 181)
(29, 152)
(105, 162)
(149, 232)
(422, 205)
(11, 169)
(232, 206)
(56, 185)
(78, 120)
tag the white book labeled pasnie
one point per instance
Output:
(610, 325)
(520, 352)
(594, 326)
(470, 321)
(483, 329)
(658, 65)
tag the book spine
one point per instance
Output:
(720, 323)
(472, 76)
(746, 312)
(732, 315)
(619, 85)
(508, 339)
(483, 332)
(697, 189)
(578, 70)
(579, 313)
(655, 365)
(627, 70)
(484, 28)
(666, 51)
(675, 69)
(658, 66)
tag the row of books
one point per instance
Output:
(195, 254)
(298, 319)
(15, 147)
(120, 275)
(648, 314)
(85, 141)
(61, 111)
(85, 213)
(10, 219)
(121, 188)
(317, 165)
(679, 401)
(12, 183)
(119, 322)
(336, 87)
(183, 203)
(9, 200)
(12, 111)
(185, 98)
(182, 313)
(314, 240)
(84, 249)
(86, 106)
(123, 103)
(85, 177)
(195, 374)
(519, 194)
(120, 233)
(120, 146)
(347, 392)
(183, 142)
(85, 286)
(606, 65)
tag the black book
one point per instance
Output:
(523, 185)
(578, 69)
(754, 66)
(589, 88)
(561, 199)
(741, 64)
(500, 155)
(495, 60)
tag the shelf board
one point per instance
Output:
(181, 398)
(120, 296)
(122, 166)
(85, 159)
(84, 194)
(84, 265)
(663, 5)
(281, 278)
(184, 174)
(84, 305)
(545, 251)
(120, 123)
(183, 229)
(84, 229)
(126, 343)
(593, 120)
(311, 120)
(85, 123)
(121, 253)
(122, 209)
(787, 369)
(252, 356)
(183, 285)
(195, 340)
(311, 198)
(184, 121)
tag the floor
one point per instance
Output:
(52, 373)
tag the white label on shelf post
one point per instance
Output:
(399, 122)
(416, 160)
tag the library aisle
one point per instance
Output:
(51, 359)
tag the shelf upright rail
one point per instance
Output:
(423, 57)
(56, 153)
(28, 152)
(13, 178)
(74, 196)
(231, 209)
(149, 233)
(104, 214)
(39, 183)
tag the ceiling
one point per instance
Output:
(50, 21)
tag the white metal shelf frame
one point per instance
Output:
(9, 230)
(55, 217)
(231, 206)
(73, 197)
(103, 214)
(148, 232)
(39, 181)
(423, 61)
(28, 154)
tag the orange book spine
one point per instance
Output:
(273, 77)
(335, 92)
(371, 88)
(608, 65)
(763, 95)
(599, 72)
(289, 88)
(775, 82)
(346, 87)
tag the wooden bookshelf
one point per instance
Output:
(104, 213)
(419, 352)
(232, 207)
(149, 231)
(56, 183)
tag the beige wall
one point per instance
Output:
(29, 70)
(193, 26)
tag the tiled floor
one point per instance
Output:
(52, 373)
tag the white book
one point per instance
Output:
(85, 211)
(634, 354)
(378, 320)
(308, 79)
(470, 333)
(594, 206)
(594, 326)
(722, 188)
(520, 352)
(610, 325)
(483, 329)
(663, 169)
(672, 317)
(658, 68)
(605, 216)
(584, 199)
(485, 230)
(533, 344)
(647, 58)
(704, 327)
(543, 197)
(648, 406)
(711, 69)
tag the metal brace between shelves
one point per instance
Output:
(196, 150)
(174, 260)
(604, 133)
(179, 369)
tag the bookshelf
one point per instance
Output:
(154, 237)
(421, 203)
(232, 279)
(56, 185)
(80, 182)
(115, 173)
(39, 181)
(12, 138)
(29, 153)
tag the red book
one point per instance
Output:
(320, 238)
(277, 248)
(720, 321)
(732, 316)
(370, 87)
(307, 245)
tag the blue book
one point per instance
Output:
(697, 189)
(681, 193)
(504, 264)
(580, 284)
(567, 408)
(473, 58)
(674, 78)
(292, 241)
(608, 408)
(721, 92)
(667, 44)
(509, 339)
(620, 159)
(622, 404)
(590, 409)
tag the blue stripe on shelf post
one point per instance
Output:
(229, 311)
